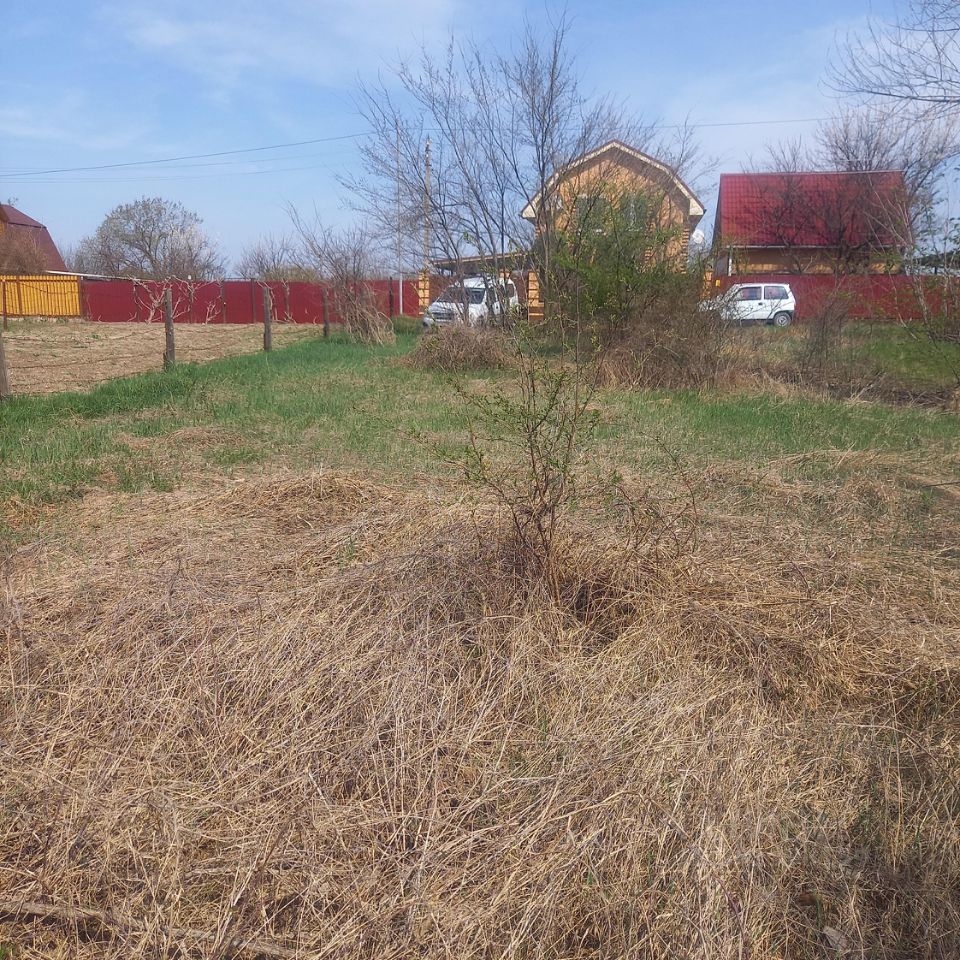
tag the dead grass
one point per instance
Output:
(51, 356)
(320, 713)
(456, 347)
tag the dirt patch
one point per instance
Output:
(52, 356)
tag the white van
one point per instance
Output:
(756, 303)
(477, 301)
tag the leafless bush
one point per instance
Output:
(457, 346)
(346, 261)
(670, 342)
(20, 253)
(822, 351)
(273, 258)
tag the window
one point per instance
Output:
(456, 294)
(592, 208)
(511, 290)
(775, 293)
(749, 293)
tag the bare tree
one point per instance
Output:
(273, 258)
(851, 222)
(150, 238)
(500, 126)
(344, 259)
(20, 253)
(912, 62)
(867, 140)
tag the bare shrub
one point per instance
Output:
(20, 253)
(829, 356)
(527, 446)
(345, 260)
(456, 347)
(670, 344)
(821, 355)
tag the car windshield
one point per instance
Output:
(455, 294)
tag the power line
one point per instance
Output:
(746, 123)
(189, 176)
(12, 177)
(192, 156)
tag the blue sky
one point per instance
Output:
(91, 83)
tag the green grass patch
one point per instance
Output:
(352, 406)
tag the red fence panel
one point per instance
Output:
(230, 301)
(110, 301)
(871, 297)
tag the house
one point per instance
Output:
(609, 173)
(612, 173)
(617, 170)
(25, 244)
(846, 222)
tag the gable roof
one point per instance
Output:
(618, 151)
(812, 209)
(19, 224)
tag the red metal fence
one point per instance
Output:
(229, 301)
(873, 297)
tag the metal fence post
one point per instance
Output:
(326, 315)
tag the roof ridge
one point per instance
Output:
(806, 173)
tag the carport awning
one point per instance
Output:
(483, 264)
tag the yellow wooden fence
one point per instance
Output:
(39, 296)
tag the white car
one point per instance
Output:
(755, 303)
(476, 301)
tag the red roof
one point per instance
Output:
(812, 209)
(18, 223)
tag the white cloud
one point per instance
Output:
(234, 45)
(63, 119)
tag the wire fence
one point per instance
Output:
(38, 357)
(212, 319)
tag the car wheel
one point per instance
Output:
(782, 319)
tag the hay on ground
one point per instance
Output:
(456, 346)
(319, 714)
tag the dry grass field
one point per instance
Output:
(274, 683)
(52, 356)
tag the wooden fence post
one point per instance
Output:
(169, 350)
(3, 287)
(4, 379)
(267, 319)
(326, 315)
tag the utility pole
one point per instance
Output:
(426, 211)
(399, 240)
